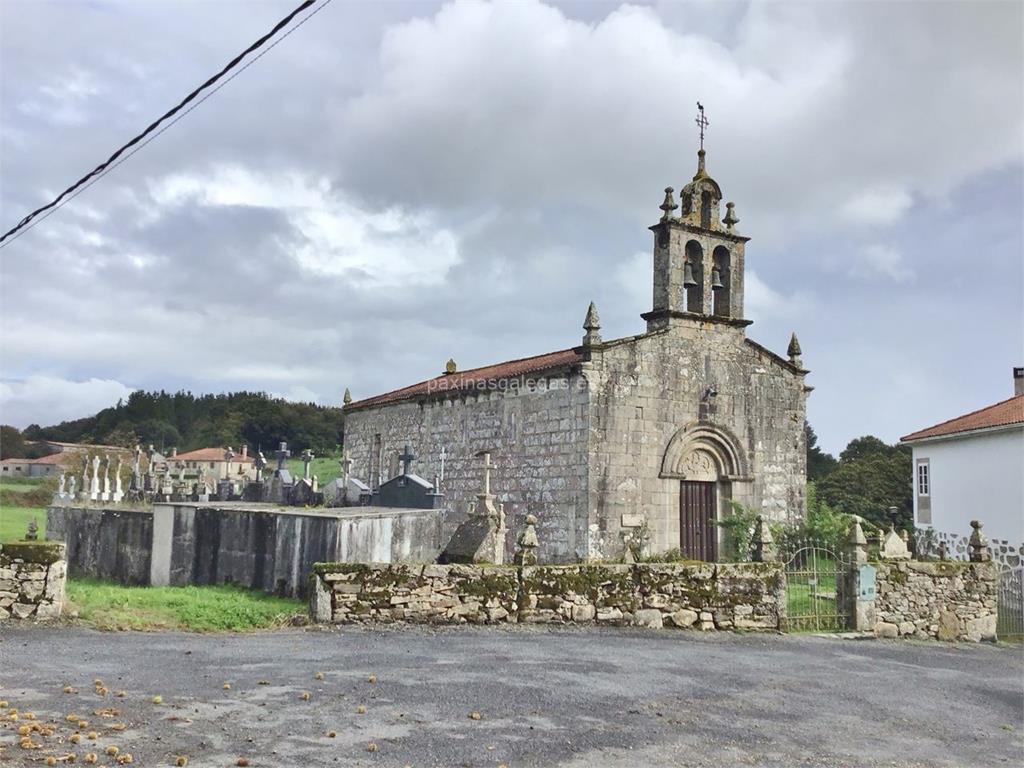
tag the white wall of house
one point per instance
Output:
(976, 476)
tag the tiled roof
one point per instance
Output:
(999, 415)
(207, 454)
(476, 379)
(53, 458)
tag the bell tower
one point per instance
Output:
(698, 255)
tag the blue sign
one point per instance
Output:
(866, 580)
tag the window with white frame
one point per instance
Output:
(924, 481)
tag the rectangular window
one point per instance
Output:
(923, 478)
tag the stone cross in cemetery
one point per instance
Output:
(228, 456)
(105, 494)
(85, 477)
(71, 487)
(261, 464)
(118, 490)
(488, 466)
(481, 538)
(94, 486)
(307, 459)
(407, 458)
(61, 483)
(149, 484)
(444, 456)
(346, 468)
(137, 467)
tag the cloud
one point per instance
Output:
(880, 205)
(881, 261)
(48, 399)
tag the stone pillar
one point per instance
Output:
(860, 581)
(762, 544)
(980, 552)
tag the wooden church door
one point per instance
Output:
(698, 537)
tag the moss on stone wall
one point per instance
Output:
(42, 552)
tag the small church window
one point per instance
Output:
(923, 478)
(705, 210)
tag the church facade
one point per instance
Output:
(660, 431)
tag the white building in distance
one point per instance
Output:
(972, 468)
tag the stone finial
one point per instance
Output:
(592, 326)
(669, 205)
(856, 543)
(893, 545)
(794, 351)
(980, 552)
(730, 219)
(451, 367)
(347, 397)
(32, 534)
(527, 543)
(943, 551)
(762, 543)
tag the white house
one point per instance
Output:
(972, 468)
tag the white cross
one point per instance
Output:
(487, 473)
(444, 455)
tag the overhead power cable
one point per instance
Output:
(172, 115)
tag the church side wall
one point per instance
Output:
(645, 390)
(538, 440)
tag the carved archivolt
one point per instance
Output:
(703, 452)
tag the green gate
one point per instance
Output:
(817, 583)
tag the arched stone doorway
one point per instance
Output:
(706, 460)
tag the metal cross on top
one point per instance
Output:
(702, 123)
(406, 458)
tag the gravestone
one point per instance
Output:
(407, 490)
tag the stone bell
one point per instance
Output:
(716, 279)
(688, 281)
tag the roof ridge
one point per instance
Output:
(964, 416)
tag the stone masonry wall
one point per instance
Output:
(32, 577)
(539, 442)
(944, 600)
(748, 596)
(646, 390)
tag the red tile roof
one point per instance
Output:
(1002, 414)
(484, 379)
(208, 454)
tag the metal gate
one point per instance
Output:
(1010, 598)
(817, 583)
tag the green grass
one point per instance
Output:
(326, 468)
(109, 606)
(14, 522)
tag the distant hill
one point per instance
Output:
(186, 421)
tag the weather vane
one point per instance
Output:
(702, 122)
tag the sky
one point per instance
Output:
(399, 183)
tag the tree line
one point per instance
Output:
(868, 478)
(187, 422)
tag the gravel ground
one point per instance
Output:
(545, 697)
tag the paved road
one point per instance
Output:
(575, 698)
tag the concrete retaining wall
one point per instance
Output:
(32, 579)
(262, 547)
(704, 596)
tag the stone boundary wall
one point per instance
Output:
(946, 600)
(707, 596)
(32, 578)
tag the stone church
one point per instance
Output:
(665, 428)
